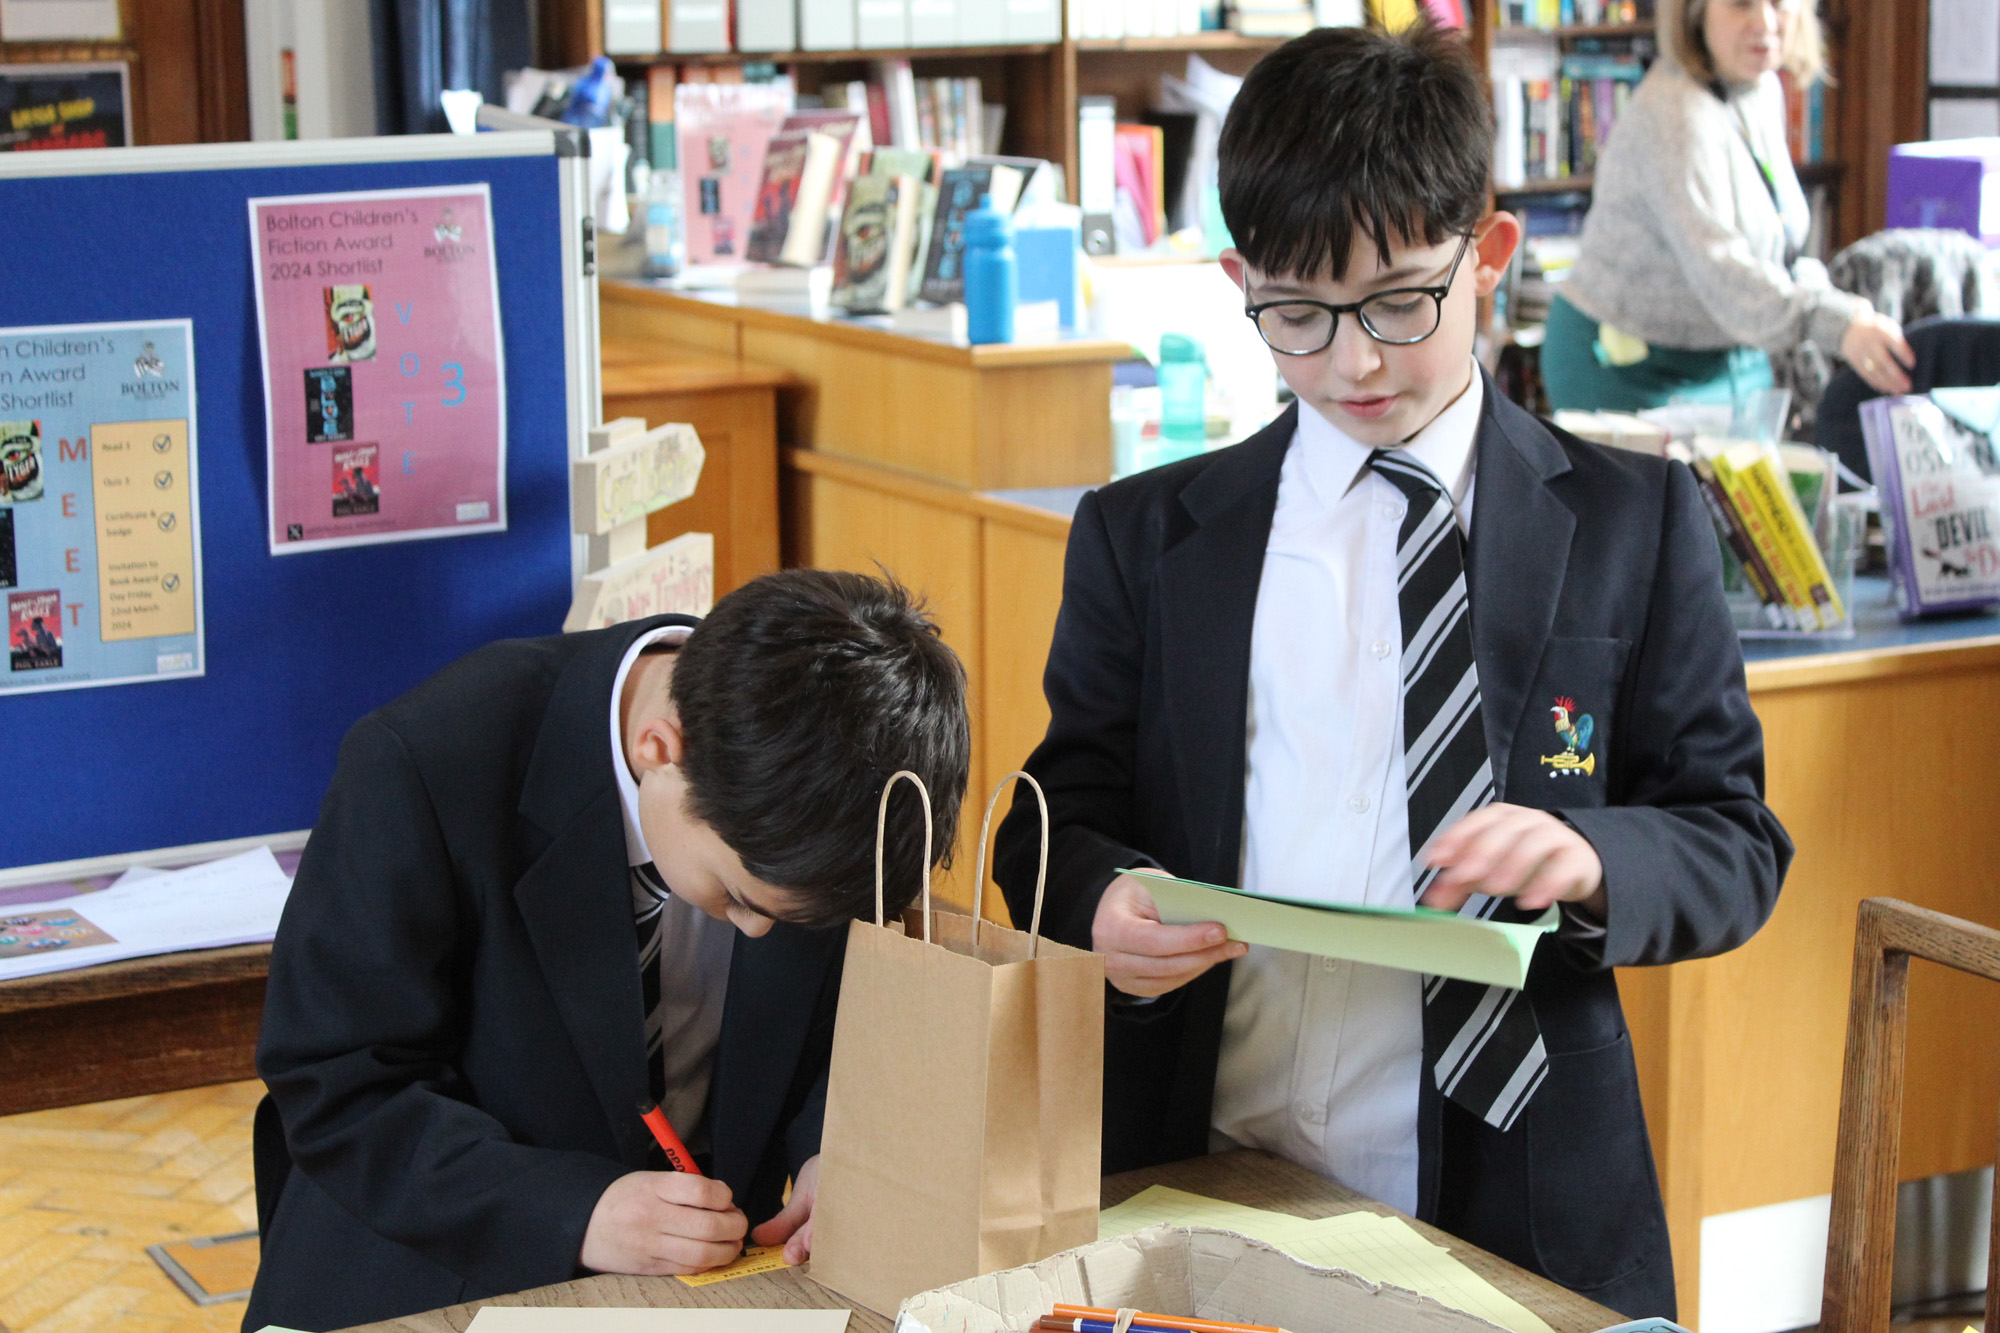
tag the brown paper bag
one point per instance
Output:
(963, 1112)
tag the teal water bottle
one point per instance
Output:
(992, 284)
(1183, 377)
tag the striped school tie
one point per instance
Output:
(649, 901)
(1483, 1044)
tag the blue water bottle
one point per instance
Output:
(590, 101)
(992, 284)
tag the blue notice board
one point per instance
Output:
(298, 648)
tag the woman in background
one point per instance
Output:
(1690, 267)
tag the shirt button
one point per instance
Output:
(1310, 1112)
(1329, 964)
(1358, 804)
(1380, 648)
(1390, 509)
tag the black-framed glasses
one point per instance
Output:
(1400, 316)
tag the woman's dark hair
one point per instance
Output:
(1345, 130)
(798, 696)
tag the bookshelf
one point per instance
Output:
(1038, 82)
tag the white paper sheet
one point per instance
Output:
(236, 900)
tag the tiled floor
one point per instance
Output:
(84, 1190)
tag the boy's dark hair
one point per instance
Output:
(1345, 130)
(799, 695)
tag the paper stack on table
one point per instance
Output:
(1384, 1250)
(233, 901)
(1418, 939)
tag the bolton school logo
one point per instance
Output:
(1574, 730)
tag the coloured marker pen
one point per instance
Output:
(678, 1157)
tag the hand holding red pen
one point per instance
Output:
(663, 1222)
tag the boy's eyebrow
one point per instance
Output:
(1399, 275)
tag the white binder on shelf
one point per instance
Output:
(697, 25)
(1034, 21)
(632, 27)
(826, 25)
(881, 23)
(767, 25)
(982, 23)
(935, 22)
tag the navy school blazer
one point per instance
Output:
(1594, 576)
(453, 1032)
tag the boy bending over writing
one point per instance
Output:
(513, 927)
(1407, 643)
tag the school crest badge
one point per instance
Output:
(1573, 729)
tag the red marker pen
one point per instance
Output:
(678, 1157)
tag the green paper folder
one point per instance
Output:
(1418, 939)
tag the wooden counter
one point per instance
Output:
(1015, 414)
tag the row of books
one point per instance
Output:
(951, 116)
(1552, 14)
(650, 27)
(1553, 115)
(1767, 502)
(1103, 19)
(902, 233)
(1759, 496)
(1805, 119)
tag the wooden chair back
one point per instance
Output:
(1861, 1245)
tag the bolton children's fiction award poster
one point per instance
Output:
(100, 540)
(384, 388)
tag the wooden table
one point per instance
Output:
(1252, 1178)
(126, 1029)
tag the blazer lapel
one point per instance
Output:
(1206, 590)
(576, 896)
(1516, 563)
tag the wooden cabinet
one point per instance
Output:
(733, 406)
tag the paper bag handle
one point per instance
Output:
(881, 826)
(1041, 870)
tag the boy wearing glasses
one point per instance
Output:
(1407, 643)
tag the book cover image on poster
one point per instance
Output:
(34, 631)
(357, 481)
(379, 322)
(20, 462)
(63, 106)
(100, 528)
(350, 323)
(329, 404)
(44, 931)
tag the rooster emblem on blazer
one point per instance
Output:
(1574, 730)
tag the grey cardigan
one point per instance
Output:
(1683, 245)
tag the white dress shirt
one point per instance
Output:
(1321, 1058)
(694, 946)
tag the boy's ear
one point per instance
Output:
(659, 742)
(1494, 244)
(1232, 264)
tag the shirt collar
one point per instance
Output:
(636, 851)
(1335, 461)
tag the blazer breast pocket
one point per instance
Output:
(1566, 743)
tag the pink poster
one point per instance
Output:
(384, 388)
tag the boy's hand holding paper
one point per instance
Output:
(1145, 958)
(1502, 851)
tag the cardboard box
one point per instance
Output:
(1185, 1271)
